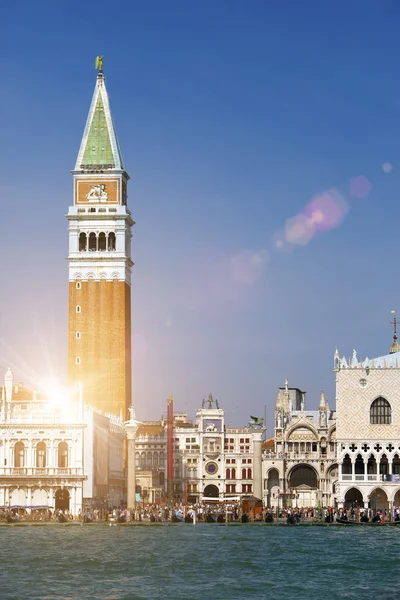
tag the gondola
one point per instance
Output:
(11, 519)
(269, 518)
(292, 520)
(346, 521)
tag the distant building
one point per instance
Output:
(368, 429)
(104, 437)
(299, 465)
(210, 460)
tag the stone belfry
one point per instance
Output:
(99, 262)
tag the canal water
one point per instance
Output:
(206, 561)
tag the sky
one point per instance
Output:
(262, 141)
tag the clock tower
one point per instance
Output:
(99, 264)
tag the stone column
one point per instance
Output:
(131, 428)
(366, 469)
(257, 463)
(72, 506)
(51, 498)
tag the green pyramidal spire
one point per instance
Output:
(99, 148)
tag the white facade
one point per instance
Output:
(104, 485)
(41, 450)
(368, 430)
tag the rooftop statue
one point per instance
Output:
(255, 422)
(99, 63)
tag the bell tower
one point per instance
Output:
(99, 264)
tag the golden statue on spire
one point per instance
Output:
(99, 63)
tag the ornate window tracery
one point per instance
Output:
(380, 412)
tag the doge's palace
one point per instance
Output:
(368, 429)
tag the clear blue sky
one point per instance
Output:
(232, 116)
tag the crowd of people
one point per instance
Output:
(203, 511)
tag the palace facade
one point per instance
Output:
(41, 450)
(368, 430)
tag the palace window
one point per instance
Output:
(380, 412)
(41, 455)
(19, 455)
(63, 455)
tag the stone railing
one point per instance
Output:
(41, 472)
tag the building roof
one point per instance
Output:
(99, 147)
(150, 429)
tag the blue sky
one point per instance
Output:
(232, 117)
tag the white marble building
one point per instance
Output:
(368, 429)
(41, 450)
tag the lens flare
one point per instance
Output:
(248, 266)
(387, 167)
(322, 213)
(360, 187)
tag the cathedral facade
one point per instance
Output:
(299, 465)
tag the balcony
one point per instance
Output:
(41, 472)
(372, 477)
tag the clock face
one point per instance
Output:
(211, 468)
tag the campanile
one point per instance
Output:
(99, 263)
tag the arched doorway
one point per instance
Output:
(18, 497)
(303, 482)
(62, 499)
(272, 485)
(353, 498)
(378, 500)
(396, 501)
(211, 491)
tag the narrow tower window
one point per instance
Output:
(92, 242)
(78, 285)
(102, 242)
(78, 335)
(78, 309)
(111, 241)
(78, 360)
(82, 242)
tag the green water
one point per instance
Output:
(206, 561)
